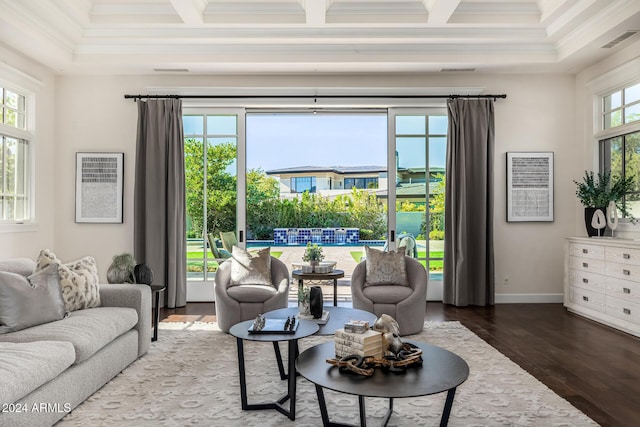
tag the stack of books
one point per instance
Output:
(368, 343)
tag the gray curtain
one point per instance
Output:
(468, 243)
(159, 197)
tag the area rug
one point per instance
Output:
(190, 378)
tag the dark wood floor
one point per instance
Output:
(594, 367)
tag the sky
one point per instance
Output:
(289, 140)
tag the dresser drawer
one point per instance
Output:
(623, 255)
(626, 310)
(623, 271)
(587, 280)
(587, 264)
(623, 289)
(585, 250)
(587, 298)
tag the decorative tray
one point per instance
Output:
(275, 326)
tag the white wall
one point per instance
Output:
(538, 115)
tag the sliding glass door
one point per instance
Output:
(341, 178)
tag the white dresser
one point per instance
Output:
(602, 281)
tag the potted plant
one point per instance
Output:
(597, 194)
(313, 255)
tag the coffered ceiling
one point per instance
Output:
(310, 36)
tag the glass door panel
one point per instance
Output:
(211, 145)
(420, 146)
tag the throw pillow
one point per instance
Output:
(30, 301)
(250, 268)
(78, 280)
(385, 268)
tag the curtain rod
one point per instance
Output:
(137, 97)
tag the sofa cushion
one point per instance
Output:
(26, 366)
(78, 280)
(387, 294)
(21, 266)
(251, 293)
(88, 330)
(29, 301)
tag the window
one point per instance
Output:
(14, 157)
(620, 155)
(301, 184)
(621, 107)
(361, 183)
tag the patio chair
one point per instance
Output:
(228, 240)
(217, 252)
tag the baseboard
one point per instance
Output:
(529, 298)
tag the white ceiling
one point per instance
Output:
(315, 36)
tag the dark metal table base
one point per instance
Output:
(444, 420)
(278, 405)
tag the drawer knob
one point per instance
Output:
(584, 280)
(585, 298)
(585, 264)
(626, 272)
(626, 290)
(626, 256)
(626, 311)
(585, 251)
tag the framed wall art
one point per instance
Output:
(529, 186)
(99, 187)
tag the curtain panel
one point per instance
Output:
(469, 277)
(159, 197)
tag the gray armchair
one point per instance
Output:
(406, 304)
(244, 302)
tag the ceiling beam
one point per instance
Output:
(440, 10)
(190, 11)
(316, 12)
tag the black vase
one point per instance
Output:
(588, 217)
(315, 301)
(143, 274)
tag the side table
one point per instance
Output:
(334, 274)
(155, 292)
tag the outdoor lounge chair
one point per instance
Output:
(228, 240)
(218, 253)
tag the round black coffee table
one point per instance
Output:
(241, 332)
(338, 316)
(441, 371)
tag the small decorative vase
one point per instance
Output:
(303, 300)
(314, 265)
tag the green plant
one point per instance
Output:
(313, 252)
(599, 193)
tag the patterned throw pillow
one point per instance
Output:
(250, 268)
(78, 280)
(385, 268)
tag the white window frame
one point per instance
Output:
(615, 80)
(17, 82)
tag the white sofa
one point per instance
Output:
(49, 369)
